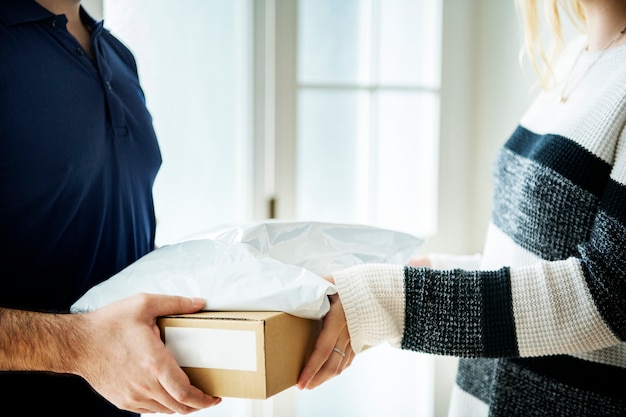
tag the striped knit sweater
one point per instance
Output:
(540, 324)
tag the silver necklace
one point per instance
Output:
(564, 93)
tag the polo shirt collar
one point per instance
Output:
(14, 12)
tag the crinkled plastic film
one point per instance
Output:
(260, 266)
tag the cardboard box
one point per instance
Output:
(240, 354)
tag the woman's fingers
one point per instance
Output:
(333, 352)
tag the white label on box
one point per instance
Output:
(212, 348)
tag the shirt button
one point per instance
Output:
(55, 23)
(80, 51)
(108, 84)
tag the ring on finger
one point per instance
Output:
(339, 351)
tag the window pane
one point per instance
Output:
(194, 63)
(346, 174)
(406, 159)
(409, 42)
(331, 170)
(362, 146)
(333, 38)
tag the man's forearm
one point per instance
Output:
(32, 341)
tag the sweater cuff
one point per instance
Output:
(373, 299)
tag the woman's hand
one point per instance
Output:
(333, 352)
(419, 260)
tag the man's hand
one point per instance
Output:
(124, 359)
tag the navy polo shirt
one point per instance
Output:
(78, 158)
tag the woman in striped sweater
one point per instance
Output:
(539, 323)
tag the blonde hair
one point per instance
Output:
(542, 56)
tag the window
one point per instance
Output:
(368, 112)
(331, 107)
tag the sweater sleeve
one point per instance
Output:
(567, 306)
(546, 307)
(472, 313)
(372, 299)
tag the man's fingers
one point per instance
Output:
(162, 305)
(181, 396)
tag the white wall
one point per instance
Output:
(484, 93)
(94, 7)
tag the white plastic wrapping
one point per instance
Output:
(270, 265)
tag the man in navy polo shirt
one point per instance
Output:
(78, 157)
